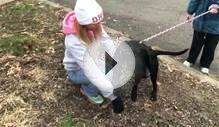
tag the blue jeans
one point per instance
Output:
(78, 77)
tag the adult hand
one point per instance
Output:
(214, 9)
(188, 18)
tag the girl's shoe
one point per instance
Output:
(106, 104)
(205, 70)
(187, 64)
(93, 99)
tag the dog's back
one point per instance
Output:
(141, 49)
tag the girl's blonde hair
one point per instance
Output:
(82, 33)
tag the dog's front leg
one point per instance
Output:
(135, 88)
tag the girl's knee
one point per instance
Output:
(77, 77)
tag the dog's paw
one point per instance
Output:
(118, 105)
(134, 97)
(153, 97)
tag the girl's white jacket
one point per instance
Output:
(75, 51)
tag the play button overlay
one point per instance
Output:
(109, 63)
(106, 61)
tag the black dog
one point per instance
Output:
(146, 58)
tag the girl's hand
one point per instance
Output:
(214, 9)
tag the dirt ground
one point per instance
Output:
(34, 91)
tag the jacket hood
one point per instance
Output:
(69, 23)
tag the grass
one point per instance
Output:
(17, 112)
(23, 26)
(16, 17)
(19, 44)
(28, 31)
(66, 122)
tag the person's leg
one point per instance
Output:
(197, 43)
(209, 50)
(90, 89)
(79, 77)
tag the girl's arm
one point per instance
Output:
(78, 51)
(108, 43)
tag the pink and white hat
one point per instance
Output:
(88, 12)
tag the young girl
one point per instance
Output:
(206, 32)
(81, 28)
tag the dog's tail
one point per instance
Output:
(159, 52)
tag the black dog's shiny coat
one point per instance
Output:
(146, 58)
